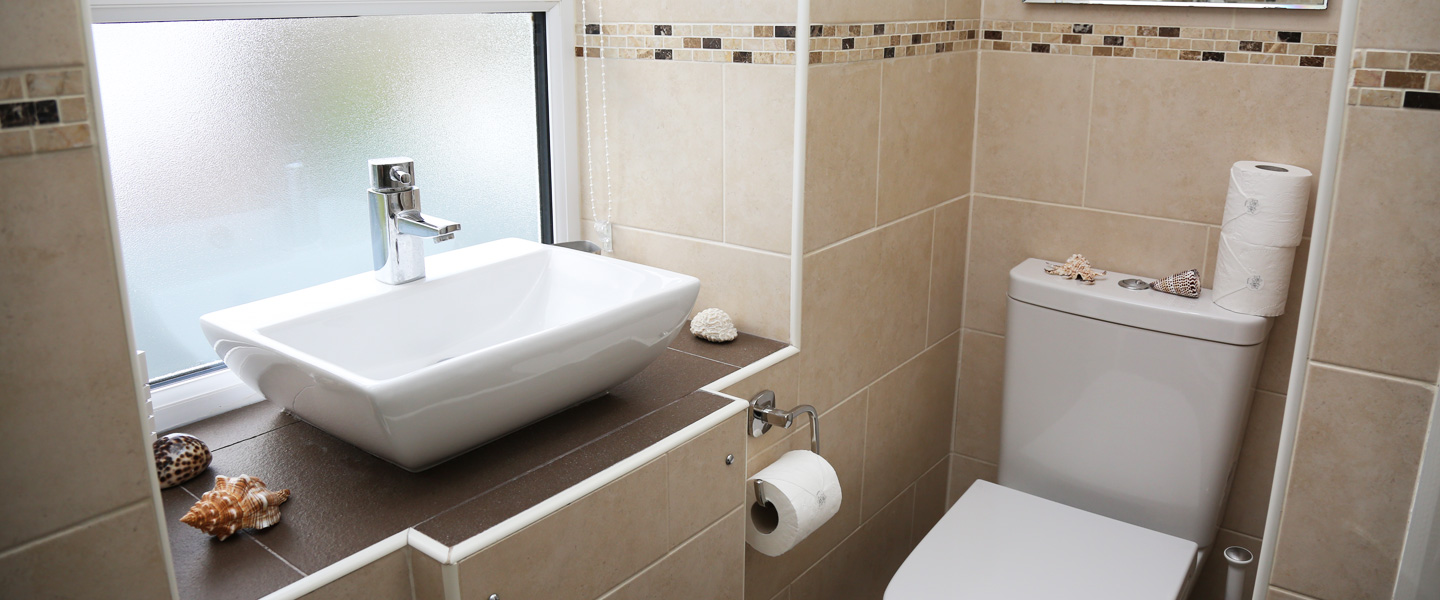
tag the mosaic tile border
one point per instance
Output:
(1214, 44)
(43, 111)
(774, 44)
(1395, 79)
(842, 43)
(755, 44)
(879, 41)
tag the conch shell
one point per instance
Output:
(236, 503)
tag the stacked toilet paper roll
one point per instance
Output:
(1263, 223)
(802, 493)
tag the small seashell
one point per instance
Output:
(179, 458)
(712, 324)
(236, 503)
(1077, 268)
(1184, 283)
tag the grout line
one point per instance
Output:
(930, 281)
(72, 528)
(714, 360)
(700, 240)
(671, 552)
(725, 75)
(1428, 385)
(864, 233)
(879, 142)
(973, 459)
(1241, 533)
(1100, 210)
(1089, 132)
(252, 538)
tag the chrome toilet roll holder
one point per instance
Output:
(764, 415)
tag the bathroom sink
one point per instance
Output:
(496, 336)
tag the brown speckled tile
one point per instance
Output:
(343, 499)
(206, 569)
(741, 351)
(237, 425)
(468, 519)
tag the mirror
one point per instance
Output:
(1299, 4)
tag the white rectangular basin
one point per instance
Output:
(496, 336)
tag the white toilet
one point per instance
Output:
(1123, 413)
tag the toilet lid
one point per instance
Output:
(997, 543)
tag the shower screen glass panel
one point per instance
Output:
(238, 151)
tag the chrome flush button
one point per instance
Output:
(1134, 284)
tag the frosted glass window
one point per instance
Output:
(238, 151)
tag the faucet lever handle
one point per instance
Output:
(400, 175)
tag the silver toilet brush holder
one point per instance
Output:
(1239, 559)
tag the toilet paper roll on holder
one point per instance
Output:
(764, 415)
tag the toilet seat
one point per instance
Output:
(1000, 544)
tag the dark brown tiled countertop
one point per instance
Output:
(343, 500)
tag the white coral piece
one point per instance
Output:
(712, 324)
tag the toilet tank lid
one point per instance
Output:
(1106, 300)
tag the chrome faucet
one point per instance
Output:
(397, 227)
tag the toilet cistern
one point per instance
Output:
(397, 227)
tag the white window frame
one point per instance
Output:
(207, 395)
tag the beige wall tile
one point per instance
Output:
(1249, 500)
(426, 577)
(947, 269)
(1211, 583)
(844, 448)
(1006, 232)
(587, 547)
(384, 579)
(666, 145)
(862, 566)
(869, 11)
(964, 471)
(1357, 451)
(117, 556)
(962, 9)
(978, 401)
(1377, 303)
(1280, 349)
(702, 486)
(927, 130)
(843, 132)
(1398, 24)
(41, 33)
(931, 496)
(905, 431)
(1033, 118)
(783, 595)
(759, 155)
(689, 11)
(865, 304)
(1162, 140)
(753, 287)
(710, 565)
(65, 357)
